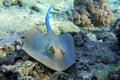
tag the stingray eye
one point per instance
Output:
(56, 52)
(51, 50)
(63, 52)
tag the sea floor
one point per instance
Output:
(97, 48)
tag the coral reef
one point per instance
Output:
(81, 20)
(10, 2)
(92, 12)
(117, 29)
(85, 43)
(97, 49)
(114, 75)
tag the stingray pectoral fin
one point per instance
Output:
(29, 34)
(35, 40)
(67, 43)
(35, 44)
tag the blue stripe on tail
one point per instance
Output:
(47, 21)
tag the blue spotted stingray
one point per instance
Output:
(54, 51)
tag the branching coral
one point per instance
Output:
(92, 12)
(82, 19)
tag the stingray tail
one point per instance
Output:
(47, 21)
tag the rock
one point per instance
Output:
(117, 29)
(114, 75)
(18, 47)
(10, 2)
(81, 39)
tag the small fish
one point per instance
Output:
(54, 51)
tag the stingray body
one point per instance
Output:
(54, 51)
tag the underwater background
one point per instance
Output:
(93, 24)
